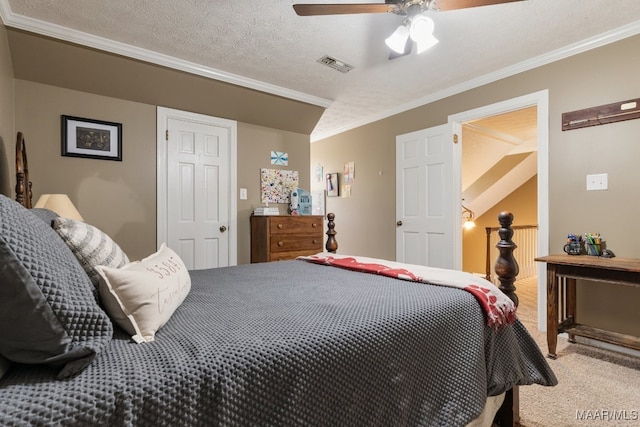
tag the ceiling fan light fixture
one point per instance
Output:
(426, 43)
(398, 40)
(421, 28)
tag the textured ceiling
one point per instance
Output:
(264, 41)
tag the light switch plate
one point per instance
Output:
(243, 194)
(597, 182)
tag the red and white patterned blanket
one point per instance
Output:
(499, 308)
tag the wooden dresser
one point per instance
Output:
(281, 237)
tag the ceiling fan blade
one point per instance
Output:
(444, 5)
(340, 9)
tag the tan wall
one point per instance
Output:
(53, 62)
(255, 144)
(522, 203)
(601, 76)
(365, 222)
(7, 134)
(120, 197)
(117, 197)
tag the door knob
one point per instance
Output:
(399, 223)
(223, 228)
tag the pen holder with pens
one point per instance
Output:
(573, 248)
(574, 245)
(593, 243)
(593, 249)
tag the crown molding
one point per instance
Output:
(21, 22)
(544, 59)
(63, 33)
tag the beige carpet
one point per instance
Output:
(596, 387)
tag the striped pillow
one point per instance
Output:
(91, 246)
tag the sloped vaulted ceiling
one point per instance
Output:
(264, 45)
(54, 62)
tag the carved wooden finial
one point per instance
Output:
(506, 265)
(332, 244)
(24, 191)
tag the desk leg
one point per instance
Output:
(571, 304)
(552, 310)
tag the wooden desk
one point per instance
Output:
(562, 272)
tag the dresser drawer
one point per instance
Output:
(284, 256)
(295, 225)
(286, 243)
(276, 238)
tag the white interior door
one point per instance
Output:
(426, 198)
(197, 204)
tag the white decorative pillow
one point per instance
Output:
(91, 246)
(142, 295)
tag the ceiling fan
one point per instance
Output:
(416, 26)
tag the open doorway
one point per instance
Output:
(504, 166)
(499, 172)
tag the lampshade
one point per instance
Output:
(421, 32)
(60, 204)
(421, 28)
(398, 40)
(468, 215)
(426, 43)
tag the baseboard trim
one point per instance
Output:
(607, 346)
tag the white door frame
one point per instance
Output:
(541, 100)
(163, 115)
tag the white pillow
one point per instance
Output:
(142, 295)
(91, 246)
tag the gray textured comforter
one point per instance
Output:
(292, 343)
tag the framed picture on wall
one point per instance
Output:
(332, 185)
(317, 202)
(92, 139)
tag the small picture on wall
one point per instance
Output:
(279, 158)
(317, 203)
(332, 185)
(94, 139)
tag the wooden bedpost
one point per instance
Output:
(506, 265)
(23, 185)
(332, 244)
(507, 269)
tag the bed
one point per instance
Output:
(300, 342)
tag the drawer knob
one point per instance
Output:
(314, 225)
(280, 244)
(280, 226)
(314, 241)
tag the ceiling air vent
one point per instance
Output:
(335, 64)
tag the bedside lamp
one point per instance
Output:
(60, 204)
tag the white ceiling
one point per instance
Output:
(264, 45)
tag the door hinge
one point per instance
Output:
(455, 138)
(166, 135)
